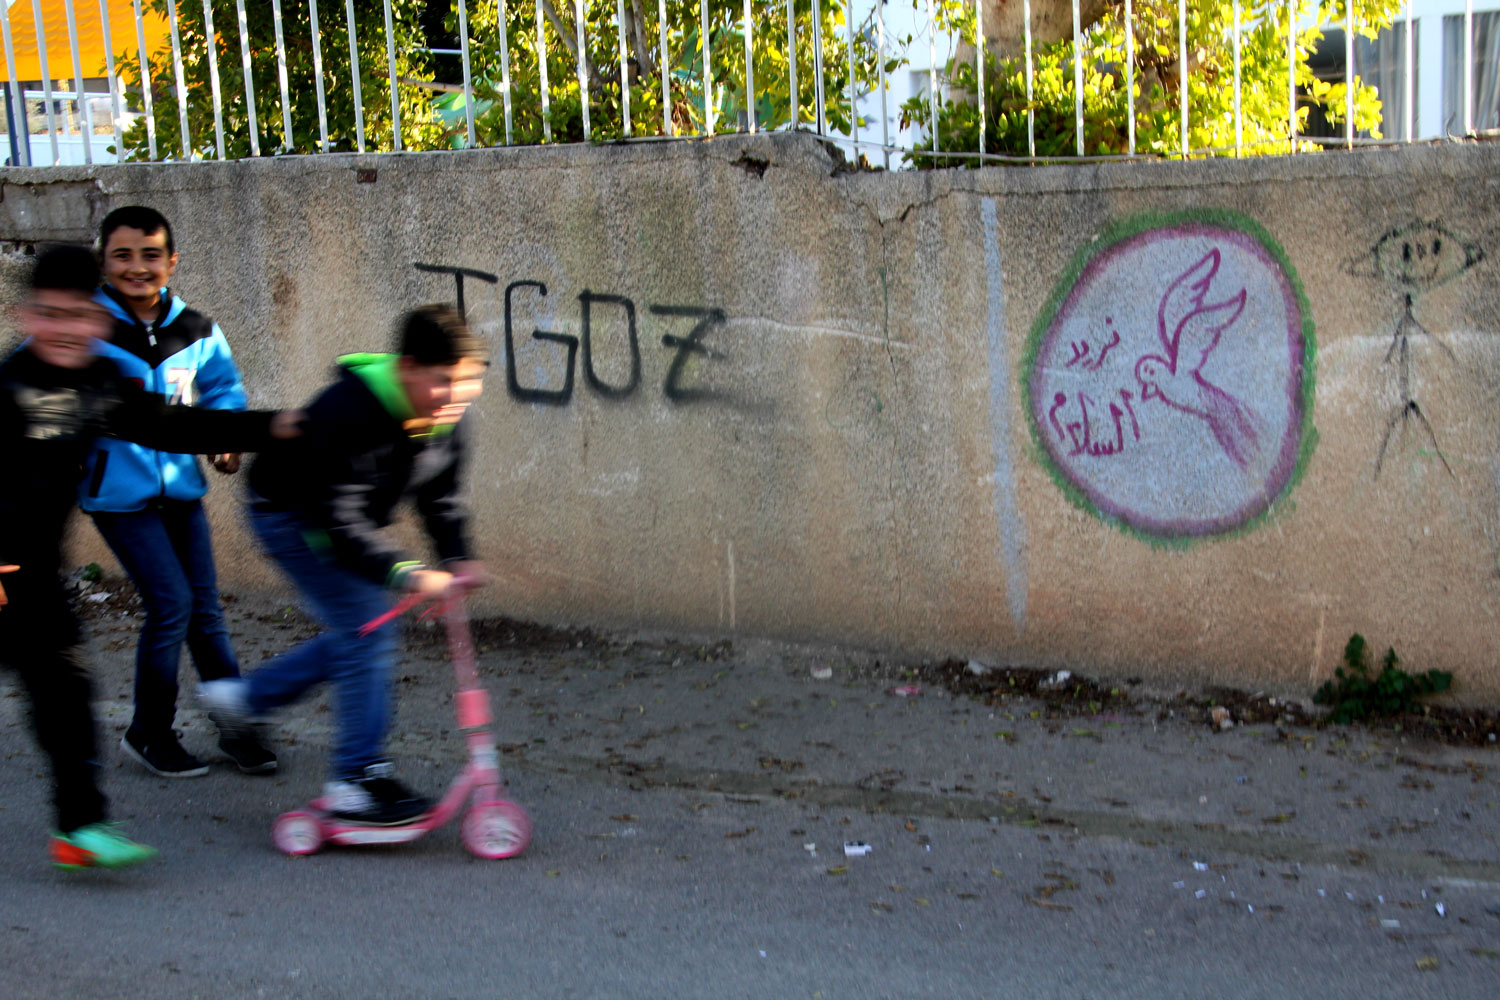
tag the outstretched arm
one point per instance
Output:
(145, 419)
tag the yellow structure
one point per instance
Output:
(122, 36)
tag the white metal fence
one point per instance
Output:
(617, 94)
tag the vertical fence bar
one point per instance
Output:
(1409, 118)
(749, 69)
(1030, 83)
(624, 65)
(355, 73)
(114, 83)
(708, 71)
(1129, 78)
(853, 96)
(1291, 75)
(211, 42)
(463, 47)
(1077, 81)
(662, 65)
(145, 67)
(286, 100)
(1349, 74)
(14, 93)
(504, 27)
(182, 117)
(795, 118)
(317, 43)
(1239, 119)
(978, 72)
(41, 55)
(885, 116)
(583, 70)
(541, 57)
(116, 110)
(1182, 71)
(932, 101)
(1469, 67)
(820, 102)
(239, 9)
(86, 116)
(390, 61)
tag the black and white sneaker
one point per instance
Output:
(239, 733)
(375, 798)
(162, 755)
(243, 745)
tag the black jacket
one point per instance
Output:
(49, 420)
(348, 471)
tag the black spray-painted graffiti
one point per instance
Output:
(686, 347)
(1412, 259)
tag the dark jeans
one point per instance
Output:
(358, 666)
(38, 639)
(168, 552)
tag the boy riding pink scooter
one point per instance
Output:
(387, 429)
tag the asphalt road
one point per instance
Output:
(691, 806)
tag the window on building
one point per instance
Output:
(1486, 72)
(1380, 63)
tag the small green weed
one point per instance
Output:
(92, 573)
(1355, 694)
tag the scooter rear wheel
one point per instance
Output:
(496, 829)
(297, 833)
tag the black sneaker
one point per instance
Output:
(243, 745)
(162, 755)
(376, 798)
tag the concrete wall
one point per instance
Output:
(1159, 419)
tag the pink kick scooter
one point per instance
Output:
(492, 827)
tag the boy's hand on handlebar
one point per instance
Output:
(6, 569)
(469, 574)
(428, 581)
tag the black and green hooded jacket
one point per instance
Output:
(353, 464)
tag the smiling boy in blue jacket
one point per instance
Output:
(147, 503)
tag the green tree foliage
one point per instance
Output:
(417, 128)
(643, 62)
(1157, 82)
(434, 116)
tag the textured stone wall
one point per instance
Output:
(1168, 419)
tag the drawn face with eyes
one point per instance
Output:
(1422, 255)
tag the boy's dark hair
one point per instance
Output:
(147, 220)
(438, 335)
(65, 267)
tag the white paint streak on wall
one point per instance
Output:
(731, 583)
(813, 331)
(1007, 510)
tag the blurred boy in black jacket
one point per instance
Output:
(56, 399)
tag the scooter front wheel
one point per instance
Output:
(496, 829)
(297, 833)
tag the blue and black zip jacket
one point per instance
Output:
(183, 358)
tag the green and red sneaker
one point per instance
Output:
(98, 845)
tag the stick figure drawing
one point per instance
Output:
(1411, 260)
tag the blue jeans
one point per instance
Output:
(168, 552)
(359, 667)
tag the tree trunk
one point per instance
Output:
(569, 35)
(1051, 20)
(637, 34)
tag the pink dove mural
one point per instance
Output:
(1189, 332)
(1170, 376)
